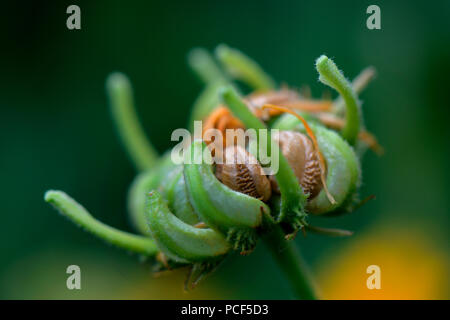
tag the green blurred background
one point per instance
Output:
(56, 132)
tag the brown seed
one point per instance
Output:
(241, 172)
(301, 156)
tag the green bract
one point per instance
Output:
(175, 191)
(142, 184)
(235, 214)
(179, 240)
(343, 171)
(80, 216)
(330, 75)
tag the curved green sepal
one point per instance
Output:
(79, 215)
(175, 192)
(139, 148)
(331, 76)
(359, 83)
(219, 206)
(181, 241)
(203, 64)
(242, 67)
(141, 185)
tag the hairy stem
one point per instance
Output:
(71, 209)
(139, 148)
(331, 76)
(291, 263)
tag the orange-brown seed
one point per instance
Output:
(241, 172)
(299, 151)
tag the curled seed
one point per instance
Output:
(221, 119)
(299, 152)
(280, 97)
(241, 172)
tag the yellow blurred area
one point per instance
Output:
(106, 275)
(169, 285)
(412, 267)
